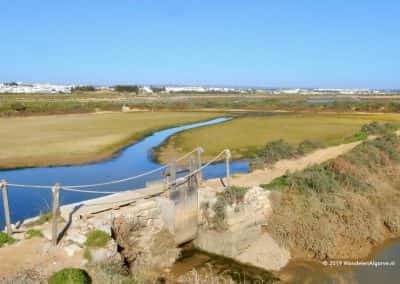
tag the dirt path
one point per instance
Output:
(267, 175)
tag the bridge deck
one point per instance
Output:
(110, 202)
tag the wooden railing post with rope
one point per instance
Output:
(56, 210)
(200, 151)
(228, 167)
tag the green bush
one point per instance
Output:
(6, 239)
(97, 239)
(230, 196)
(308, 146)
(70, 276)
(18, 106)
(277, 150)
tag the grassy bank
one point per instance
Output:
(80, 138)
(246, 136)
(342, 208)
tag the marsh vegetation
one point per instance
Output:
(247, 136)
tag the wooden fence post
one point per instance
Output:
(6, 207)
(228, 168)
(200, 150)
(56, 209)
(192, 167)
(172, 175)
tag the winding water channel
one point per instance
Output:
(132, 160)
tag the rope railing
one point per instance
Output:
(117, 181)
(171, 184)
(90, 191)
(69, 187)
(32, 186)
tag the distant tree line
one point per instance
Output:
(127, 88)
(157, 89)
(11, 84)
(83, 89)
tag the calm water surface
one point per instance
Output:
(133, 160)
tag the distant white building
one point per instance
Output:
(146, 90)
(184, 89)
(35, 88)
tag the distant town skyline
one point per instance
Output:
(269, 44)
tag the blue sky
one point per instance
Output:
(281, 43)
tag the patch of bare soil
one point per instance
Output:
(33, 260)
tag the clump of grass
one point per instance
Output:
(44, 218)
(97, 239)
(6, 239)
(230, 196)
(87, 255)
(114, 272)
(359, 136)
(70, 276)
(32, 233)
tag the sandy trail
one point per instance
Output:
(267, 175)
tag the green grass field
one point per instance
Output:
(79, 138)
(246, 135)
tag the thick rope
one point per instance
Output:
(29, 186)
(117, 181)
(75, 187)
(89, 191)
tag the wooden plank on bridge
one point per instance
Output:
(111, 202)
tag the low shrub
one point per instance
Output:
(70, 276)
(308, 146)
(18, 106)
(6, 239)
(44, 218)
(230, 196)
(97, 239)
(277, 150)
